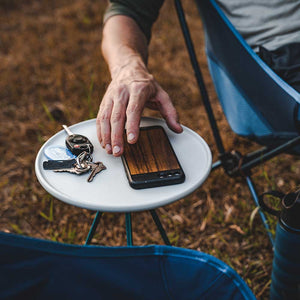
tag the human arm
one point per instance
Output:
(125, 49)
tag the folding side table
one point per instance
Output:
(110, 190)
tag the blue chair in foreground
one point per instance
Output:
(38, 269)
(258, 105)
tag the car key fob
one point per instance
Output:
(78, 143)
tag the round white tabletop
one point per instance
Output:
(110, 190)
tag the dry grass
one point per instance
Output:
(52, 72)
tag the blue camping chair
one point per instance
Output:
(258, 105)
(39, 269)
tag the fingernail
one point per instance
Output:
(116, 149)
(108, 147)
(130, 137)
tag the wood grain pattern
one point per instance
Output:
(152, 152)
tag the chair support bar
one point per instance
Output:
(198, 75)
(272, 153)
(235, 164)
(217, 164)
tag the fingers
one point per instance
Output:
(139, 96)
(111, 119)
(168, 110)
(103, 123)
(118, 122)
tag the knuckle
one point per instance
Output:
(142, 87)
(120, 89)
(104, 116)
(98, 122)
(116, 138)
(106, 137)
(132, 127)
(116, 117)
(133, 109)
(150, 77)
(172, 110)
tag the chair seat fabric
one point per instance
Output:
(38, 269)
(256, 102)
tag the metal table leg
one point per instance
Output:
(93, 227)
(160, 227)
(128, 229)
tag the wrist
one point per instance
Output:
(130, 62)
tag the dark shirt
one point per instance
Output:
(267, 23)
(144, 12)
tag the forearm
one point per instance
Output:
(123, 43)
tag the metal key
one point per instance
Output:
(70, 166)
(96, 168)
(74, 170)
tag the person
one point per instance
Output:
(271, 27)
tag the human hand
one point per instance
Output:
(132, 88)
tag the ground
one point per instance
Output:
(52, 72)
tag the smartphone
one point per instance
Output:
(151, 162)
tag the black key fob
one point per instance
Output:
(78, 143)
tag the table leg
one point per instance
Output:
(93, 227)
(160, 227)
(128, 229)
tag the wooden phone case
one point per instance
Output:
(152, 162)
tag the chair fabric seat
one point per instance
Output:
(256, 102)
(38, 269)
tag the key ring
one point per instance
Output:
(82, 161)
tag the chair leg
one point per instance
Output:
(128, 229)
(262, 215)
(216, 165)
(93, 227)
(198, 75)
(160, 227)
